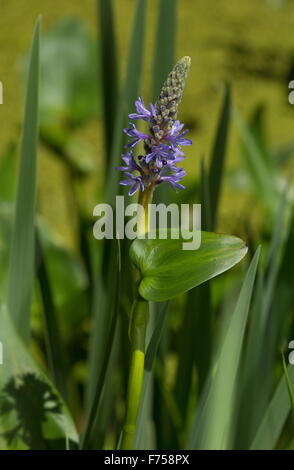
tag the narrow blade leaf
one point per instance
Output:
(164, 44)
(216, 418)
(128, 95)
(275, 416)
(218, 155)
(109, 69)
(21, 273)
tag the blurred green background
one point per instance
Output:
(246, 44)
(249, 44)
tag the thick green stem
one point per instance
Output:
(145, 198)
(137, 332)
(138, 327)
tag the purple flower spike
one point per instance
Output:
(163, 142)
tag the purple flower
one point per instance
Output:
(134, 181)
(142, 111)
(130, 162)
(134, 132)
(159, 153)
(177, 138)
(174, 178)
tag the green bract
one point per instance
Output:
(166, 270)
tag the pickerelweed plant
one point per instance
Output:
(171, 271)
(229, 387)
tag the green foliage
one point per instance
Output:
(214, 377)
(21, 268)
(167, 270)
(109, 69)
(218, 156)
(33, 415)
(216, 414)
(128, 94)
(275, 416)
(68, 65)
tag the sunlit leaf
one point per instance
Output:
(166, 270)
(33, 415)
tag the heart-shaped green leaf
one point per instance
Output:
(167, 270)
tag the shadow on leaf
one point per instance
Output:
(30, 402)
